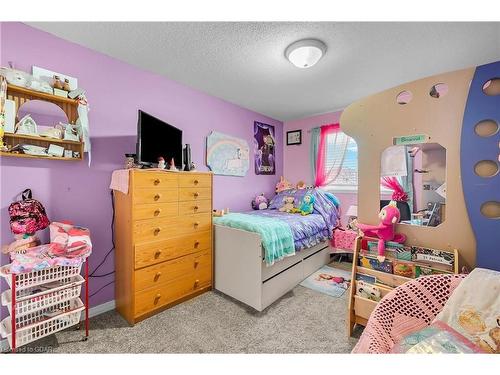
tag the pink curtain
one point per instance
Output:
(321, 173)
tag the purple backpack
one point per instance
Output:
(27, 215)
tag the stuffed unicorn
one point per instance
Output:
(389, 216)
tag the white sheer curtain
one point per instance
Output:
(335, 155)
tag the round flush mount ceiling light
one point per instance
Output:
(305, 53)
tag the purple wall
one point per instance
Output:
(116, 90)
(297, 166)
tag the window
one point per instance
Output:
(341, 162)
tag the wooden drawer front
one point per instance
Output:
(194, 223)
(363, 307)
(171, 270)
(159, 251)
(161, 295)
(195, 180)
(154, 229)
(158, 180)
(195, 207)
(194, 194)
(155, 195)
(155, 210)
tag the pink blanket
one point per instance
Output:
(406, 309)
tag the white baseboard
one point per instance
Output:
(93, 311)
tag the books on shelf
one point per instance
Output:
(407, 261)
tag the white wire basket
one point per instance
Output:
(43, 296)
(35, 278)
(43, 322)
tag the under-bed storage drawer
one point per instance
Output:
(315, 261)
(278, 285)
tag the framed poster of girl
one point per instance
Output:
(264, 147)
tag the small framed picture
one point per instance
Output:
(294, 137)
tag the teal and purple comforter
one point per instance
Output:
(282, 233)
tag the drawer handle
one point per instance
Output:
(157, 181)
(157, 212)
(196, 243)
(196, 262)
(196, 224)
(157, 298)
(157, 196)
(196, 182)
(196, 194)
(196, 208)
(157, 231)
(157, 276)
(196, 283)
(157, 254)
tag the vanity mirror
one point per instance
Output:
(414, 176)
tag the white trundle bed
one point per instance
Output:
(241, 273)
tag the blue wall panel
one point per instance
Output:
(473, 148)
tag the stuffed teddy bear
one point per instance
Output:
(389, 216)
(287, 204)
(307, 205)
(260, 202)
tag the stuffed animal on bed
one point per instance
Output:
(260, 202)
(389, 216)
(307, 205)
(283, 185)
(287, 204)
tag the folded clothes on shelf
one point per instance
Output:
(70, 245)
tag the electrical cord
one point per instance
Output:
(92, 274)
(101, 288)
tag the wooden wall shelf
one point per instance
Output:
(21, 95)
(12, 140)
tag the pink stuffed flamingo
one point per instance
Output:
(389, 216)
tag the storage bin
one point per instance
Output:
(43, 296)
(34, 278)
(36, 325)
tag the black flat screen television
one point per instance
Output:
(156, 138)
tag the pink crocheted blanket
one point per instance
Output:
(406, 309)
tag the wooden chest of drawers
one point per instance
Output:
(163, 239)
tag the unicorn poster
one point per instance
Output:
(264, 148)
(227, 155)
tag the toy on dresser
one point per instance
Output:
(385, 231)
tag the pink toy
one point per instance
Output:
(283, 185)
(389, 216)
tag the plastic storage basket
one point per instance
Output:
(43, 322)
(43, 296)
(35, 278)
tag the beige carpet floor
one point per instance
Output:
(302, 321)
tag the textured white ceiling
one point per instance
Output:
(244, 63)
